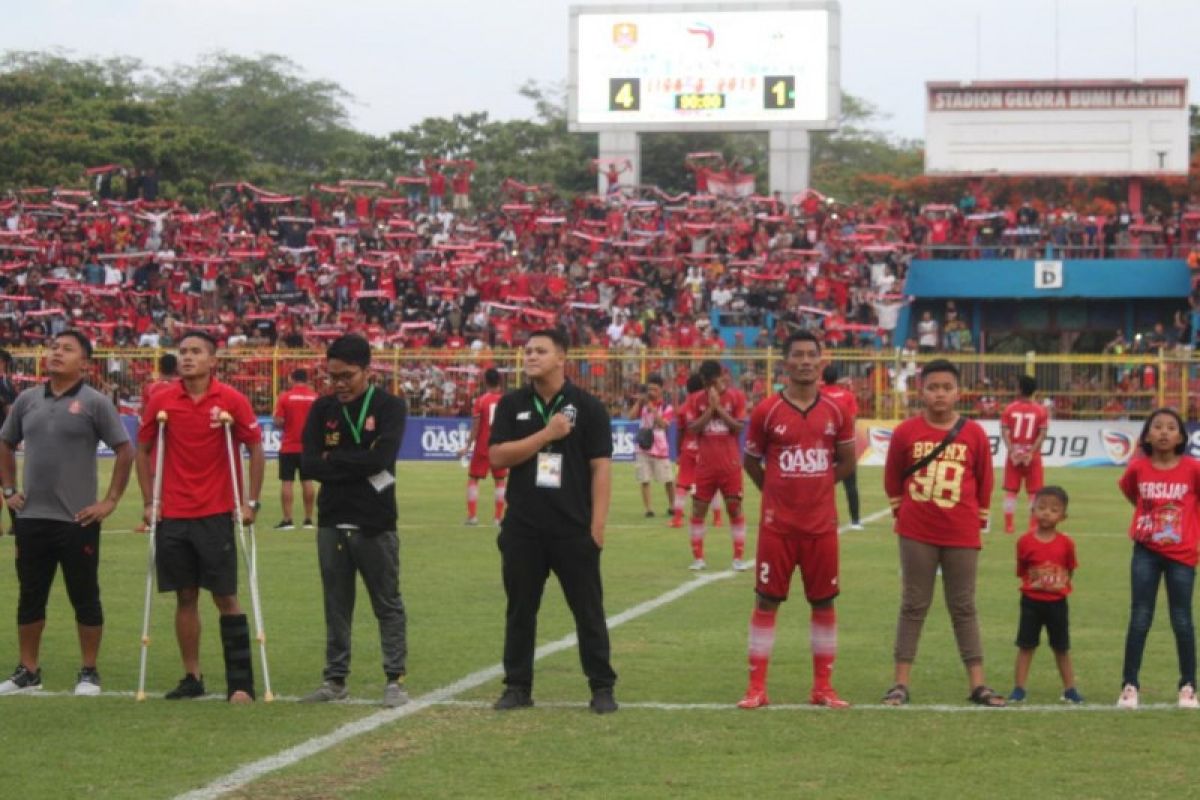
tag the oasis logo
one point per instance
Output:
(441, 441)
(804, 461)
(622, 442)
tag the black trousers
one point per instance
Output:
(851, 485)
(527, 559)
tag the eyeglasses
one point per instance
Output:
(344, 377)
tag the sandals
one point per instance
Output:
(896, 696)
(983, 696)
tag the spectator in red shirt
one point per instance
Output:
(938, 479)
(291, 412)
(194, 543)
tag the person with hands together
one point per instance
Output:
(557, 441)
(57, 515)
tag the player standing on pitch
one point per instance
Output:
(291, 412)
(1023, 427)
(477, 446)
(716, 416)
(849, 404)
(194, 542)
(799, 444)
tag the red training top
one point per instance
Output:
(1025, 420)
(1164, 507)
(485, 411)
(719, 450)
(195, 481)
(292, 407)
(1045, 567)
(947, 502)
(797, 447)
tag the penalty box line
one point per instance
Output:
(254, 770)
(285, 758)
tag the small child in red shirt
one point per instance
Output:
(1045, 564)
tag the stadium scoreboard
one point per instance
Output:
(704, 67)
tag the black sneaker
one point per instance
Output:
(649, 514)
(189, 686)
(22, 681)
(603, 701)
(308, 526)
(514, 697)
(285, 525)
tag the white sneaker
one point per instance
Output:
(856, 526)
(88, 683)
(698, 565)
(740, 565)
(1187, 697)
(1129, 697)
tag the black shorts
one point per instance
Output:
(43, 544)
(1050, 614)
(289, 465)
(197, 552)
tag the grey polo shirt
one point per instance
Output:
(60, 436)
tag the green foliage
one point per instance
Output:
(857, 161)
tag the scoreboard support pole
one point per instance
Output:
(788, 154)
(621, 145)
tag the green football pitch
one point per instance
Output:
(678, 645)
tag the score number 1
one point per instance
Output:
(779, 92)
(624, 94)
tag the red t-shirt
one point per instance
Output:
(292, 407)
(485, 411)
(947, 502)
(1045, 567)
(1025, 421)
(844, 398)
(797, 447)
(719, 450)
(1164, 507)
(688, 444)
(195, 480)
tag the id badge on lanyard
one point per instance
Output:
(549, 465)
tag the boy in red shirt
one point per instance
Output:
(1045, 564)
(477, 445)
(291, 412)
(716, 415)
(1023, 428)
(938, 479)
(799, 443)
(195, 547)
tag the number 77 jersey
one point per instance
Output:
(946, 502)
(1025, 421)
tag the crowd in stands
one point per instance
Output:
(416, 264)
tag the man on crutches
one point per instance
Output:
(194, 542)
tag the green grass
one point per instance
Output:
(689, 651)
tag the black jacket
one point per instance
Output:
(343, 466)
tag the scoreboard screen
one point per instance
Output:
(704, 69)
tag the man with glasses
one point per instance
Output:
(350, 443)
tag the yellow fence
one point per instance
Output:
(443, 382)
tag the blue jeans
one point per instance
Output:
(1145, 569)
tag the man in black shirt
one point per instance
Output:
(350, 443)
(557, 441)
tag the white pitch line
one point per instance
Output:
(292, 755)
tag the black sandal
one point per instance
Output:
(983, 696)
(896, 696)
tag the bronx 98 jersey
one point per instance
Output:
(797, 447)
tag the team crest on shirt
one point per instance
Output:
(331, 424)
(214, 417)
(830, 429)
(570, 412)
(75, 407)
(369, 425)
(780, 430)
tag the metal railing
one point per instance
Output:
(444, 382)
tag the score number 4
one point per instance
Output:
(624, 94)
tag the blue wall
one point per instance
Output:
(1000, 280)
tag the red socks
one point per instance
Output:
(762, 641)
(823, 639)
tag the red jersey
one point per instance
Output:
(484, 411)
(718, 445)
(797, 447)
(292, 407)
(1164, 507)
(152, 387)
(1025, 420)
(195, 480)
(947, 502)
(688, 443)
(1045, 567)
(844, 398)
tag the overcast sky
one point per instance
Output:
(404, 61)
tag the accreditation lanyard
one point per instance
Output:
(356, 430)
(544, 412)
